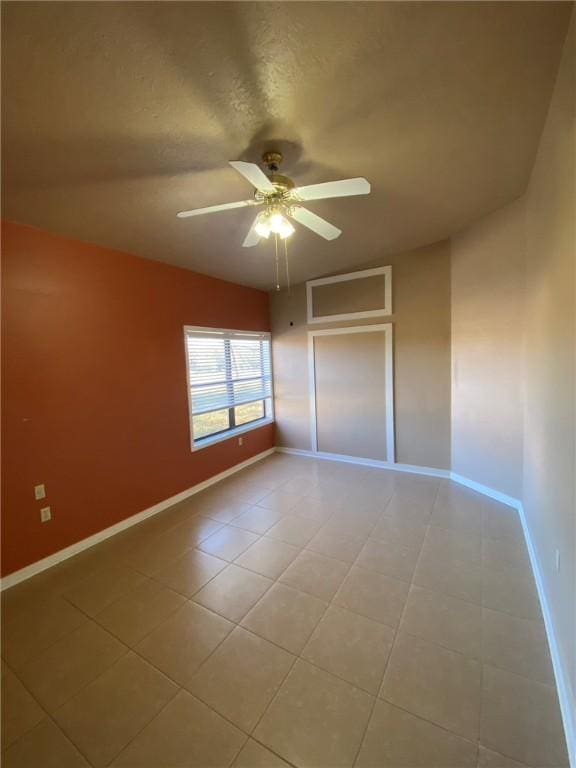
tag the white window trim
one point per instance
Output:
(388, 329)
(387, 298)
(230, 434)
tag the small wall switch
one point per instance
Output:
(39, 492)
(557, 561)
(45, 514)
(240, 440)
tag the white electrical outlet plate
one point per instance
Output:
(45, 514)
(39, 492)
(240, 440)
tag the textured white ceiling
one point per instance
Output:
(117, 115)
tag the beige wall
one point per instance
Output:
(514, 342)
(487, 341)
(550, 387)
(421, 302)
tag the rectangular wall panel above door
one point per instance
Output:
(351, 374)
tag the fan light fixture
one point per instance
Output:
(273, 222)
(282, 201)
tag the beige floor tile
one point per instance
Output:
(318, 575)
(179, 645)
(406, 510)
(330, 493)
(455, 544)
(294, 530)
(233, 592)
(70, 664)
(416, 486)
(268, 557)
(280, 501)
(351, 647)
(373, 595)
(316, 719)
(331, 542)
(521, 719)
(228, 510)
(449, 576)
(197, 529)
(257, 519)
(507, 551)
(437, 684)
(20, 712)
(489, 759)
(103, 718)
(397, 532)
(31, 632)
(459, 518)
(444, 620)
(254, 755)
(228, 542)
(350, 525)
(501, 522)
(510, 590)
(186, 734)
(285, 616)
(45, 746)
(190, 572)
(251, 493)
(301, 485)
(389, 559)
(517, 645)
(397, 739)
(241, 677)
(316, 509)
(455, 496)
(93, 594)
(151, 553)
(139, 611)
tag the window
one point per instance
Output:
(229, 382)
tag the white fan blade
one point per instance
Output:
(215, 208)
(345, 188)
(254, 174)
(252, 238)
(315, 223)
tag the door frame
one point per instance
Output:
(388, 330)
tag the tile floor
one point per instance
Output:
(300, 613)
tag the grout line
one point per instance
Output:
(49, 715)
(297, 657)
(381, 683)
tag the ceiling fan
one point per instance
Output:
(282, 201)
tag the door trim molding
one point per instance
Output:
(388, 330)
(386, 308)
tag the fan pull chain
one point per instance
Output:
(277, 262)
(286, 265)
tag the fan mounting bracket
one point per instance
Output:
(272, 160)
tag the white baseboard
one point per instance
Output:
(63, 554)
(503, 498)
(563, 686)
(413, 469)
(565, 693)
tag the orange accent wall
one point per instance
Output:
(94, 401)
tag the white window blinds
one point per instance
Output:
(227, 369)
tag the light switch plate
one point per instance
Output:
(39, 492)
(45, 514)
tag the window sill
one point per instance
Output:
(229, 434)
